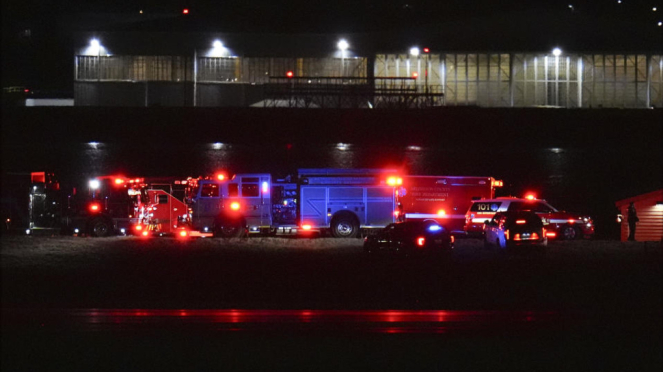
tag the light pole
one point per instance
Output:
(414, 52)
(342, 46)
(557, 52)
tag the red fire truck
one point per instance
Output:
(443, 198)
(342, 202)
(102, 207)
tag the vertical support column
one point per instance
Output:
(568, 80)
(467, 78)
(545, 78)
(443, 76)
(511, 79)
(648, 69)
(536, 80)
(580, 67)
(195, 77)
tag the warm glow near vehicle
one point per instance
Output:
(234, 206)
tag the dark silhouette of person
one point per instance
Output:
(632, 219)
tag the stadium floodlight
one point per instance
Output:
(414, 51)
(556, 52)
(217, 44)
(343, 45)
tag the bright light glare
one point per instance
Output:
(434, 228)
(306, 227)
(414, 51)
(530, 197)
(217, 44)
(441, 212)
(421, 241)
(342, 45)
(94, 184)
(556, 52)
(234, 206)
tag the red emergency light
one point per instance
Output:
(394, 181)
(441, 212)
(119, 181)
(94, 207)
(530, 197)
(220, 176)
(426, 50)
(185, 11)
(306, 227)
(289, 74)
(234, 206)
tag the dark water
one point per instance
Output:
(587, 180)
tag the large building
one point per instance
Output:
(492, 62)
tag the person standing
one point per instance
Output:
(632, 220)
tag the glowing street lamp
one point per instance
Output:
(556, 52)
(414, 52)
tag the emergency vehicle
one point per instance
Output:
(104, 206)
(339, 201)
(558, 224)
(443, 198)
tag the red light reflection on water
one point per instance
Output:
(380, 321)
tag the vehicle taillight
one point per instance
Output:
(421, 241)
(551, 234)
(535, 236)
(515, 237)
(306, 227)
(183, 233)
(521, 222)
(453, 239)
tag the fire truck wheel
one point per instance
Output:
(344, 226)
(100, 227)
(569, 233)
(229, 229)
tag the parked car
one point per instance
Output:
(517, 228)
(411, 237)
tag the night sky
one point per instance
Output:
(37, 47)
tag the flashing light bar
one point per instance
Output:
(498, 183)
(530, 197)
(394, 181)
